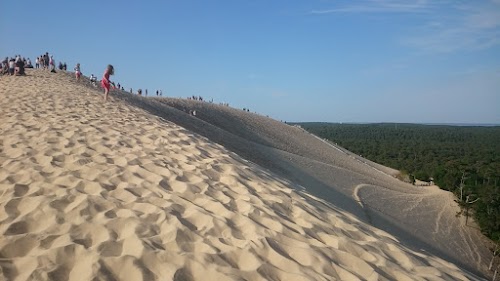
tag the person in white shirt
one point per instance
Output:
(12, 66)
(93, 80)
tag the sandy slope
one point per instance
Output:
(106, 191)
(422, 217)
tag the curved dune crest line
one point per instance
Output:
(356, 196)
(110, 202)
(358, 199)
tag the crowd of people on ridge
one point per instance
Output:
(16, 66)
(46, 61)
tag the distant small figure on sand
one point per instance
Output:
(93, 80)
(20, 67)
(12, 66)
(46, 60)
(5, 66)
(52, 64)
(105, 80)
(77, 72)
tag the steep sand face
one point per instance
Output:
(423, 217)
(106, 191)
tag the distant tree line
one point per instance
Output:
(462, 159)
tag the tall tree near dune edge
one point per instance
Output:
(495, 254)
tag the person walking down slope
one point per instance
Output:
(78, 73)
(105, 80)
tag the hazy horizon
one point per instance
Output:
(403, 123)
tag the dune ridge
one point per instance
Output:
(423, 218)
(108, 191)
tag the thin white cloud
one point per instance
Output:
(379, 6)
(455, 39)
(473, 27)
(447, 26)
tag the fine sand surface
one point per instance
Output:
(118, 191)
(423, 217)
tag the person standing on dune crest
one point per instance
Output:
(105, 80)
(78, 73)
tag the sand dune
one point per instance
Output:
(284, 149)
(109, 191)
(423, 217)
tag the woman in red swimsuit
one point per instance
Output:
(105, 83)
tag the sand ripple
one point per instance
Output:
(103, 191)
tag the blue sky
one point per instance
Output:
(417, 61)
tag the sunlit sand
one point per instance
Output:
(94, 190)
